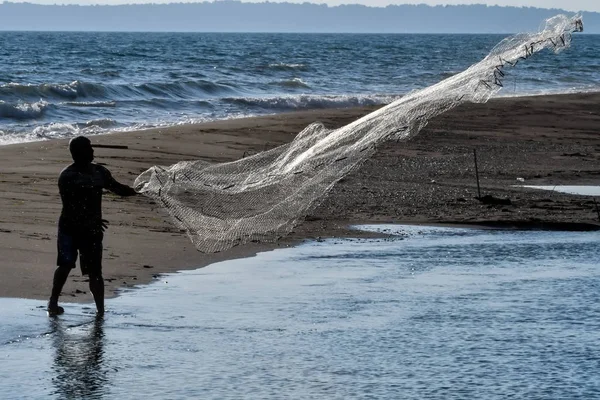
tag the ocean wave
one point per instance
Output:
(103, 123)
(9, 137)
(70, 91)
(185, 88)
(109, 93)
(303, 102)
(103, 73)
(57, 130)
(288, 67)
(593, 88)
(23, 110)
(295, 83)
(49, 131)
(91, 103)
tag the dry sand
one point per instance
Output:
(429, 179)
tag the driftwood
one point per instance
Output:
(110, 146)
(488, 199)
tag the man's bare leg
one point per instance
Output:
(60, 278)
(97, 289)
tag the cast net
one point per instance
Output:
(260, 198)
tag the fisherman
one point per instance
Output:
(80, 226)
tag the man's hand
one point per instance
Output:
(103, 225)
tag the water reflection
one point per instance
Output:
(437, 313)
(78, 360)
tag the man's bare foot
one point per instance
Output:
(54, 309)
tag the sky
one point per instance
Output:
(571, 5)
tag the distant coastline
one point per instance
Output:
(235, 16)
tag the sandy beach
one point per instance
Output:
(543, 140)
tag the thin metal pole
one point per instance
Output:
(477, 174)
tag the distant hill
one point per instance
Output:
(234, 16)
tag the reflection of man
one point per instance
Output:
(81, 371)
(81, 227)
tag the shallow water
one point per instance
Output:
(570, 189)
(432, 313)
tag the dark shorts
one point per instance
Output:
(89, 248)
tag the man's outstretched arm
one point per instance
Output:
(116, 187)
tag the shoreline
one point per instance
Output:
(428, 180)
(177, 124)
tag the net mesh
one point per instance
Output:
(260, 198)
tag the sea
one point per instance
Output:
(62, 84)
(424, 313)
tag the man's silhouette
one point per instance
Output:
(81, 227)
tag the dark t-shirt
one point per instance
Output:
(80, 189)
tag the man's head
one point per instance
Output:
(81, 150)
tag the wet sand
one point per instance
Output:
(544, 140)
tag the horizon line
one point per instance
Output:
(150, 3)
(277, 32)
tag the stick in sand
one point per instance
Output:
(477, 174)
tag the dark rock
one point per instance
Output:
(489, 199)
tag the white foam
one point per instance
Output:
(287, 66)
(91, 103)
(293, 83)
(302, 102)
(22, 110)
